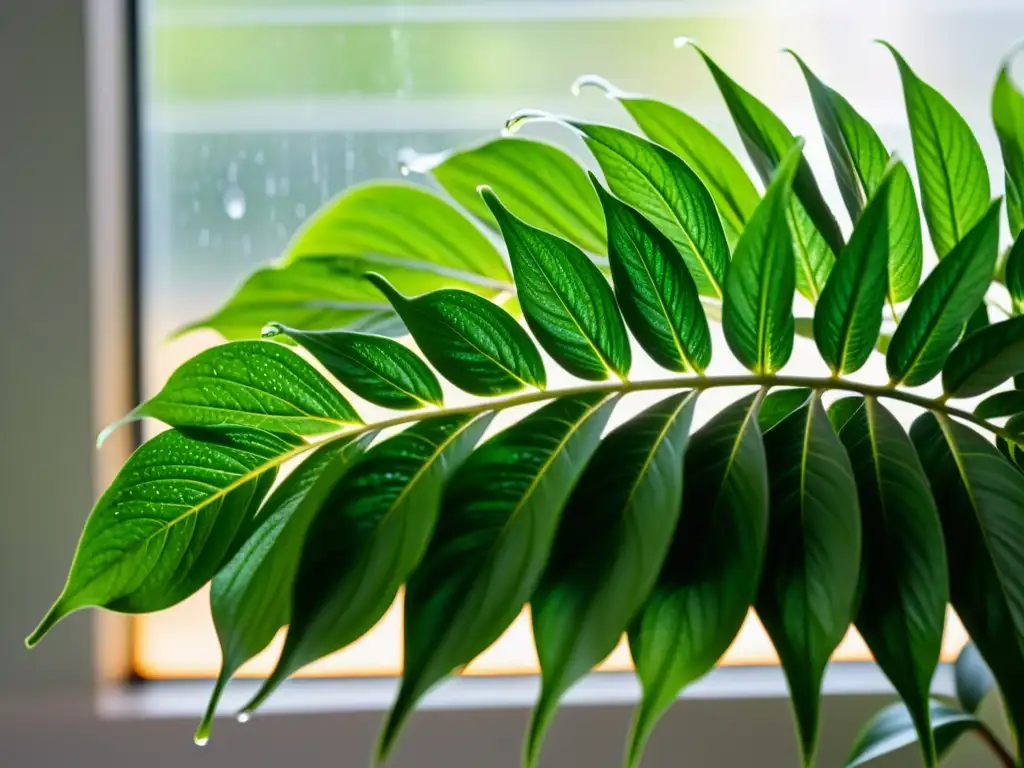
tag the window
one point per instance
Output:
(255, 112)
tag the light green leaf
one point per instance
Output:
(1008, 116)
(757, 312)
(779, 403)
(656, 294)
(250, 597)
(892, 728)
(614, 536)
(812, 563)
(905, 586)
(366, 538)
(1014, 271)
(169, 520)
(377, 369)
(498, 520)
(980, 499)
(859, 160)
(951, 169)
(945, 301)
(848, 317)
(473, 343)
(985, 359)
(726, 180)
(711, 575)
(973, 678)
(566, 300)
(539, 183)
(1008, 403)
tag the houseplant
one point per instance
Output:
(819, 517)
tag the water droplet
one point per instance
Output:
(270, 330)
(204, 238)
(246, 245)
(234, 203)
(683, 41)
(202, 741)
(300, 210)
(258, 158)
(599, 82)
(283, 186)
(523, 116)
(270, 186)
(243, 717)
(232, 172)
(411, 161)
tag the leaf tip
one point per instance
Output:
(54, 615)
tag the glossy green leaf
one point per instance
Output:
(169, 520)
(973, 678)
(816, 234)
(893, 728)
(945, 301)
(474, 344)
(566, 300)
(1008, 403)
(905, 587)
(778, 404)
(812, 563)
(255, 384)
(757, 312)
(539, 183)
(844, 409)
(1008, 116)
(980, 505)
(985, 359)
(656, 294)
(614, 536)
(979, 320)
(726, 180)
(711, 575)
(366, 538)
(498, 520)
(250, 597)
(378, 369)
(848, 317)
(1014, 272)
(667, 192)
(951, 169)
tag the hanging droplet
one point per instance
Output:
(683, 41)
(234, 202)
(243, 717)
(523, 116)
(411, 161)
(202, 741)
(596, 81)
(270, 330)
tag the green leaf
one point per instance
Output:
(945, 301)
(474, 344)
(726, 180)
(951, 169)
(844, 409)
(985, 359)
(757, 312)
(978, 320)
(255, 384)
(541, 185)
(859, 161)
(566, 300)
(658, 298)
(980, 499)
(614, 536)
(366, 538)
(905, 585)
(816, 235)
(1015, 273)
(711, 575)
(378, 369)
(250, 597)
(973, 678)
(812, 564)
(498, 520)
(892, 728)
(1008, 403)
(848, 317)
(778, 404)
(169, 520)
(667, 192)
(1008, 116)
(396, 223)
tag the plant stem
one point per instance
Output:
(997, 748)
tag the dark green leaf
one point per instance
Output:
(812, 564)
(978, 320)
(892, 728)
(255, 384)
(1008, 116)
(474, 344)
(377, 369)
(730, 187)
(973, 678)
(1008, 403)
(539, 183)
(614, 536)
(757, 313)
(848, 317)
(951, 169)
(169, 520)
(1015, 273)
(566, 300)
(778, 404)
(366, 538)
(980, 499)
(945, 301)
(658, 298)
(710, 577)
(498, 520)
(250, 597)
(844, 409)
(905, 585)
(985, 359)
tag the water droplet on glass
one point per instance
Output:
(243, 717)
(204, 238)
(234, 203)
(233, 172)
(270, 186)
(270, 330)
(523, 116)
(246, 245)
(300, 210)
(283, 186)
(258, 158)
